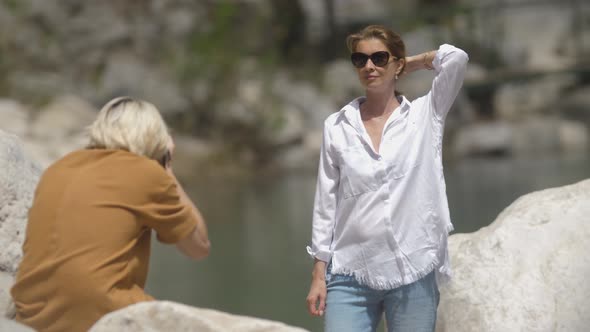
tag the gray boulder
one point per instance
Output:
(7, 325)
(486, 138)
(169, 316)
(18, 180)
(517, 100)
(526, 271)
(14, 117)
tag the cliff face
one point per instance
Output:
(256, 78)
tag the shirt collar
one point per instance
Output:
(404, 104)
(352, 112)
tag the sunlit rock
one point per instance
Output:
(527, 137)
(525, 47)
(576, 104)
(538, 134)
(14, 117)
(170, 316)
(18, 180)
(65, 116)
(125, 74)
(59, 129)
(518, 100)
(340, 82)
(7, 308)
(304, 156)
(486, 138)
(527, 271)
(12, 326)
(573, 136)
(314, 106)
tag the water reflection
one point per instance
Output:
(259, 229)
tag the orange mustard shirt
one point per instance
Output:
(87, 244)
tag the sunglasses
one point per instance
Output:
(379, 59)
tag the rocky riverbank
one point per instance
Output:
(524, 271)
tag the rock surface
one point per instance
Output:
(537, 135)
(170, 316)
(18, 180)
(526, 271)
(7, 325)
(15, 117)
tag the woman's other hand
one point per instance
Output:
(316, 299)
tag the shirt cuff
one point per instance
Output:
(320, 255)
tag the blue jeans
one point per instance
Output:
(351, 307)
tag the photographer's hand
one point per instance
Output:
(196, 245)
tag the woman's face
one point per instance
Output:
(372, 76)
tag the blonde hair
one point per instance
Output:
(390, 39)
(130, 124)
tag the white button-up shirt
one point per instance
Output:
(384, 217)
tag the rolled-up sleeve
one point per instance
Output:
(325, 201)
(163, 210)
(450, 64)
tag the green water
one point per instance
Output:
(259, 229)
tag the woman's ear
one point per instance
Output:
(400, 67)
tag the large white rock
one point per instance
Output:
(536, 135)
(7, 308)
(7, 325)
(527, 271)
(59, 129)
(540, 134)
(483, 138)
(573, 136)
(64, 117)
(522, 44)
(340, 83)
(18, 180)
(169, 316)
(125, 74)
(517, 100)
(298, 96)
(14, 117)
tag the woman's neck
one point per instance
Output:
(378, 104)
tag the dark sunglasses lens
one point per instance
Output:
(380, 58)
(359, 59)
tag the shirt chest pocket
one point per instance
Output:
(404, 154)
(404, 161)
(357, 172)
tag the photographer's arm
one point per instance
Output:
(196, 245)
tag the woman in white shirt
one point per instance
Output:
(381, 217)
